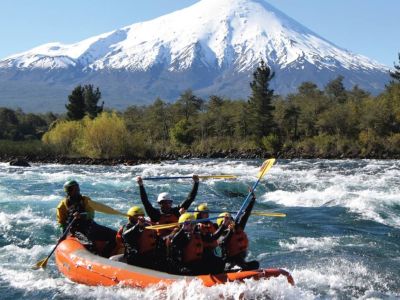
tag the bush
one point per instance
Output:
(63, 136)
(104, 137)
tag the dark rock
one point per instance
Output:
(19, 162)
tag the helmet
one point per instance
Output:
(134, 211)
(69, 184)
(201, 208)
(164, 197)
(186, 217)
(221, 217)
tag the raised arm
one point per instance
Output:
(192, 195)
(152, 212)
(243, 220)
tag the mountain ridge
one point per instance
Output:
(211, 47)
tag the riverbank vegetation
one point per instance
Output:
(333, 122)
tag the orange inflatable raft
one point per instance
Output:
(82, 266)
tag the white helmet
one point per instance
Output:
(164, 197)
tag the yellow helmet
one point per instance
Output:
(186, 217)
(221, 217)
(135, 211)
(201, 208)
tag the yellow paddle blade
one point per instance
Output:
(218, 176)
(268, 214)
(41, 264)
(265, 167)
(162, 226)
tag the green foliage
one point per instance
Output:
(83, 101)
(76, 106)
(271, 143)
(335, 90)
(104, 137)
(182, 133)
(30, 148)
(64, 136)
(260, 102)
(91, 98)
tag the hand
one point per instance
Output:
(187, 226)
(182, 211)
(227, 221)
(141, 221)
(139, 180)
(196, 178)
(77, 215)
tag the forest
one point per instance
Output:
(333, 122)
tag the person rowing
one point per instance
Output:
(210, 233)
(82, 208)
(234, 242)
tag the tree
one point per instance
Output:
(188, 104)
(335, 90)
(260, 102)
(83, 101)
(396, 74)
(91, 97)
(76, 106)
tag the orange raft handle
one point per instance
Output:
(278, 272)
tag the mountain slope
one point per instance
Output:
(211, 47)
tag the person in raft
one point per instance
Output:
(210, 232)
(166, 213)
(234, 242)
(186, 247)
(81, 209)
(139, 243)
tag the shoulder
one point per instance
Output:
(62, 203)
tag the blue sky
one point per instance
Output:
(368, 27)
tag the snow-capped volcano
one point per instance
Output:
(211, 47)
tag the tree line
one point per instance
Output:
(312, 122)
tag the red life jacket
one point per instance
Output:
(147, 241)
(120, 248)
(193, 251)
(237, 243)
(206, 229)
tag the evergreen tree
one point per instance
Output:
(188, 104)
(260, 102)
(335, 90)
(396, 74)
(91, 97)
(76, 106)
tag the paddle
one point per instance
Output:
(263, 170)
(43, 263)
(186, 177)
(256, 213)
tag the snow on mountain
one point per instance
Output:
(236, 32)
(220, 37)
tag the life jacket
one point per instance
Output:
(237, 243)
(120, 248)
(166, 219)
(146, 242)
(208, 229)
(73, 207)
(193, 251)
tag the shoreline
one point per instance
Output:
(131, 161)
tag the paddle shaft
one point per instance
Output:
(246, 201)
(190, 177)
(63, 236)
